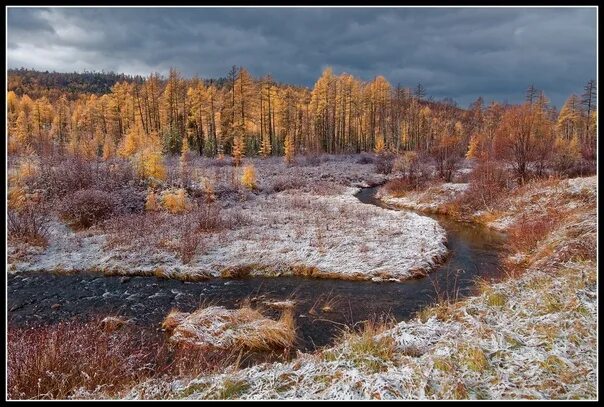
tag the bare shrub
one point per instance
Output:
(87, 207)
(384, 163)
(325, 188)
(365, 158)
(284, 182)
(130, 200)
(234, 219)
(189, 240)
(580, 168)
(208, 218)
(61, 177)
(28, 224)
(224, 162)
(135, 228)
(313, 159)
(398, 187)
(488, 182)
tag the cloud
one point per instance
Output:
(461, 53)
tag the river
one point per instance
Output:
(45, 298)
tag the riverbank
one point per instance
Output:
(533, 336)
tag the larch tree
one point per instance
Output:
(238, 150)
(289, 149)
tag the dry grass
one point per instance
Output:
(241, 329)
(372, 348)
(525, 234)
(83, 359)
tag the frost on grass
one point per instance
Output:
(532, 336)
(218, 327)
(430, 199)
(293, 232)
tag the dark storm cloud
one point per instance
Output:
(460, 53)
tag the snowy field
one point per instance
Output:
(313, 226)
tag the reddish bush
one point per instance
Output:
(56, 362)
(88, 207)
(398, 187)
(29, 224)
(526, 233)
(58, 178)
(488, 183)
(384, 163)
(188, 242)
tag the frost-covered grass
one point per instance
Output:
(430, 199)
(243, 328)
(314, 227)
(532, 336)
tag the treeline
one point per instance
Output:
(249, 116)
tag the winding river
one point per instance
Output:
(323, 307)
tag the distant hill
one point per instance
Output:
(36, 84)
(52, 84)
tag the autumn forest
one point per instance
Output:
(245, 116)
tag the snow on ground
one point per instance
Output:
(565, 196)
(532, 336)
(429, 199)
(325, 233)
(527, 201)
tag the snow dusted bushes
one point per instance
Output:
(285, 182)
(87, 207)
(365, 158)
(489, 181)
(28, 223)
(384, 163)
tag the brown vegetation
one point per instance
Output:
(81, 360)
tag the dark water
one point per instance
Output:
(46, 298)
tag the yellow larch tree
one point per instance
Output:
(238, 150)
(289, 149)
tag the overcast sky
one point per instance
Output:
(459, 53)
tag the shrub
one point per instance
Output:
(398, 187)
(88, 207)
(64, 176)
(283, 183)
(248, 179)
(175, 201)
(384, 163)
(188, 242)
(313, 159)
(365, 158)
(208, 218)
(29, 224)
(488, 183)
(151, 203)
(130, 200)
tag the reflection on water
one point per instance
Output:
(46, 298)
